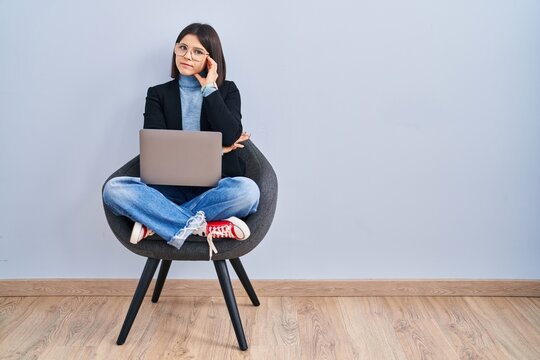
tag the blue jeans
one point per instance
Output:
(166, 209)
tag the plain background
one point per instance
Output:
(405, 135)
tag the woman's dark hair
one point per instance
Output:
(210, 40)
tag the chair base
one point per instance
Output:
(224, 281)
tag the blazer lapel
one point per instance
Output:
(174, 108)
(204, 123)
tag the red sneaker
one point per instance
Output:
(230, 228)
(139, 232)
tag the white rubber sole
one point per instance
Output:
(241, 228)
(136, 233)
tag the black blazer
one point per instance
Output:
(220, 112)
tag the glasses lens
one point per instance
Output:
(180, 50)
(198, 54)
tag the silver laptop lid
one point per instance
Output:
(177, 157)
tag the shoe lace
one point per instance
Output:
(221, 231)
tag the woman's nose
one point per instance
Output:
(190, 56)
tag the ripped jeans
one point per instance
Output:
(166, 209)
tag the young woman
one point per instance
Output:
(199, 98)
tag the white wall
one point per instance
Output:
(405, 135)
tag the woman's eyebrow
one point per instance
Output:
(195, 47)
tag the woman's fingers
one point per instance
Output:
(245, 136)
(200, 78)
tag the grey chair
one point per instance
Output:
(196, 248)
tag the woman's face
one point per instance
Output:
(186, 64)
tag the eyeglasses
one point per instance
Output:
(197, 54)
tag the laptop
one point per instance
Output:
(178, 157)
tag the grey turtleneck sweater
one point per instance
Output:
(191, 98)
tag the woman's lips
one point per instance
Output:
(186, 65)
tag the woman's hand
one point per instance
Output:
(245, 136)
(212, 74)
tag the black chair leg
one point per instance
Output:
(228, 294)
(142, 287)
(163, 271)
(239, 269)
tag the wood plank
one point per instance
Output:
(271, 328)
(507, 327)
(316, 288)
(37, 325)
(7, 306)
(180, 322)
(322, 332)
(529, 307)
(419, 336)
(138, 343)
(463, 329)
(369, 329)
(69, 352)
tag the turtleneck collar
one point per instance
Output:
(191, 81)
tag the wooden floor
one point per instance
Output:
(281, 328)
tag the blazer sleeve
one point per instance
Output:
(223, 113)
(154, 117)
